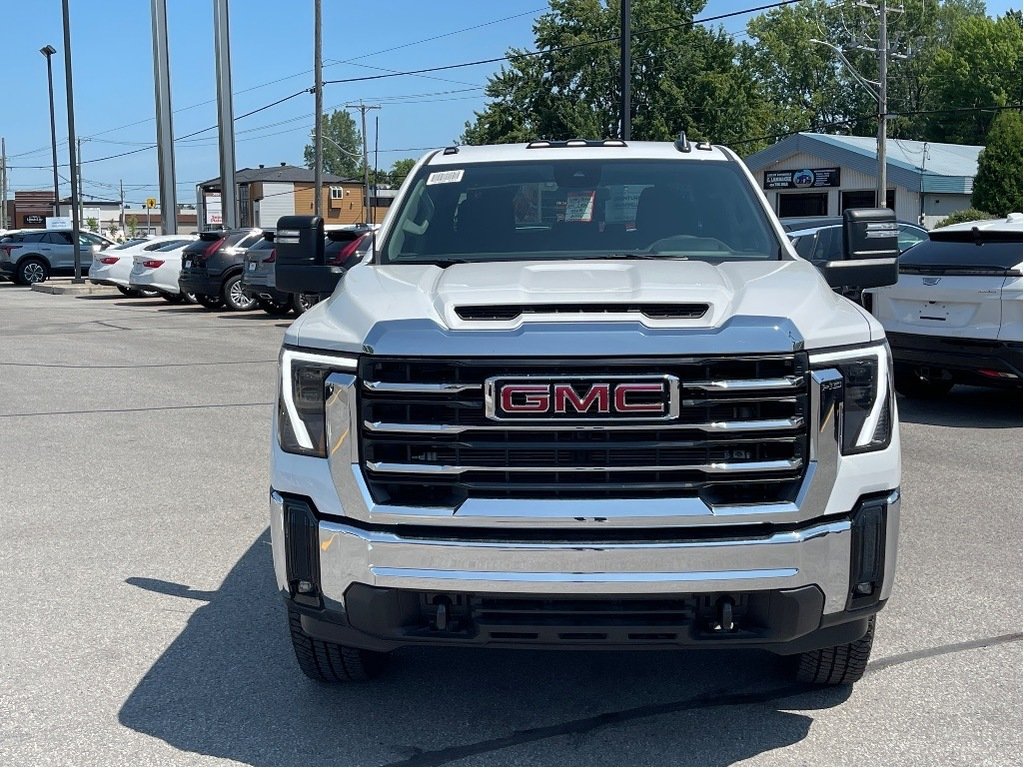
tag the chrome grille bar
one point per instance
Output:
(420, 387)
(782, 465)
(743, 385)
(750, 425)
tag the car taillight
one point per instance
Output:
(346, 250)
(272, 257)
(211, 249)
(152, 264)
(109, 260)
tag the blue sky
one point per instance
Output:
(272, 54)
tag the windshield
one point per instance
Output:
(580, 209)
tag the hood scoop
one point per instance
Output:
(654, 311)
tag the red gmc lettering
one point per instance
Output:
(529, 398)
(598, 393)
(623, 391)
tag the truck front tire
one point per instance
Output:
(839, 665)
(330, 662)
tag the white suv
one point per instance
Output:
(955, 314)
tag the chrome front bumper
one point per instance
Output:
(817, 555)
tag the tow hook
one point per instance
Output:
(441, 616)
(724, 622)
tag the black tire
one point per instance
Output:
(234, 299)
(190, 298)
(275, 308)
(31, 271)
(131, 293)
(912, 382)
(173, 298)
(838, 665)
(302, 302)
(210, 302)
(330, 662)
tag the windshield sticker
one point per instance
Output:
(445, 177)
(579, 206)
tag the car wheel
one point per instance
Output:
(838, 665)
(190, 298)
(234, 298)
(131, 293)
(172, 298)
(918, 383)
(302, 302)
(32, 271)
(330, 662)
(275, 308)
(210, 302)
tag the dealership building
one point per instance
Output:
(815, 174)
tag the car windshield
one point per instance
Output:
(580, 209)
(946, 252)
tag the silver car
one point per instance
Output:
(31, 256)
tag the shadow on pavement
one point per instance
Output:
(229, 687)
(972, 407)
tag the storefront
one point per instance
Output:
(813, 174)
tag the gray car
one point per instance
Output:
(31, 256)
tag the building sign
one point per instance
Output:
(803, 178)
(58, 222)
(34, 220)
(211, 206)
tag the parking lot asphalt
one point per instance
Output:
(140, 622)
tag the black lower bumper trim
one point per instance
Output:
(782, 621)
(963, 358)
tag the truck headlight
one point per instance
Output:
(300, 403)
(867, 395)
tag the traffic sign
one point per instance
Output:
(151, 202)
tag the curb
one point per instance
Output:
(72, 289)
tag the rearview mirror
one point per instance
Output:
(871, 250)
(300, 265)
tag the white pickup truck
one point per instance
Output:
(584, 394)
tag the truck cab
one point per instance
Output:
(585, 394)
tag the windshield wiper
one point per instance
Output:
(638, 255)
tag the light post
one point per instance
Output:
(48, 51)
(70, 90)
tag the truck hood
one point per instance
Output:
(770, 290)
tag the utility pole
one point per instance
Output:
(625, 68)
(3, 183)
(877, 89)
(73, 159)
(318, 120)
(376, 169)
(81, 199)
(366, 155)
(164, 122)
(225, 114)
(883, 101)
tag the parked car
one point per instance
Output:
(33, 255)
(211, 268)
(113, 266)
(955, 314)
(159, 271)
(341, 248)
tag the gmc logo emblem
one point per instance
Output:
(581, 398)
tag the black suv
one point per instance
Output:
(211, 268)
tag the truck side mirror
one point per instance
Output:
(871, 250)
(300, 265)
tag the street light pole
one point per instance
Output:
(48, 51)
(318, 120)
(69, 87)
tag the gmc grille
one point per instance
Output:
(741, 435)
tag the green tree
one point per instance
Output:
(343, 146)
(685, 77)
(92, 224)
(998, 187)
(133, 226)
(399, 170)
(978, 66)
(959, 217)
